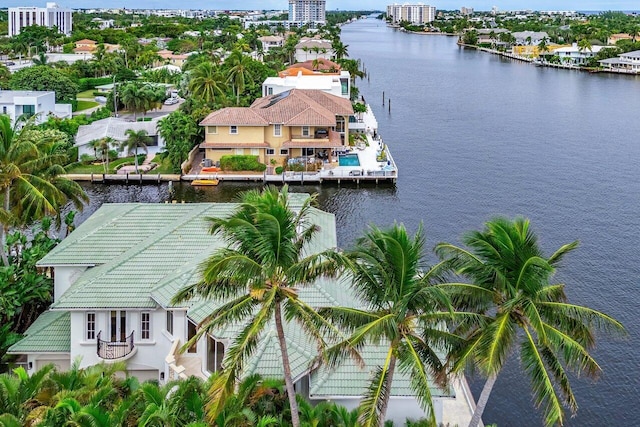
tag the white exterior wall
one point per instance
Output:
(149, 354)
(64, 277)
(307, 10)
(44, 103)
(330, 83)
(50, 16)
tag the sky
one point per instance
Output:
(339, 4)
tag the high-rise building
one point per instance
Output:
(466, 11)
(417, 14)
(50, 16)
(307, 10)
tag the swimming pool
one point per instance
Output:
(348, 160)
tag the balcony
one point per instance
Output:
(115, 350)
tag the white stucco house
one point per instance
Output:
(115, 276)
(577, 56)
(27, 103)
(338, 84)
(116, 128)
(530, 38)
(309, 49)
(628, 62)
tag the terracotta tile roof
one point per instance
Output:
(84, 49)
(234, 116)
(86, 41)
(293, 71)
(296, 107)
(321, 64)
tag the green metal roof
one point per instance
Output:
(349, 379)
(144, 253)
(50, 333)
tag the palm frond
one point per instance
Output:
(543, 390)
(374, 400)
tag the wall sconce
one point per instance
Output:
(30, 366)
(161, 376)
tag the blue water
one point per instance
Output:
(348, 160)
(475, 136)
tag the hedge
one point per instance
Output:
(91, 82)
(241, 163)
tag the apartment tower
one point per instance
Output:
(417, 14)
(307, 10)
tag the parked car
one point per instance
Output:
(8, 63)
(171, 101)
(101, 99)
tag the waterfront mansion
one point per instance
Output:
(115, 276)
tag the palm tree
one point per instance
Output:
(584, 44)
(31, 185)
(207, 82)
(511, 288)
(135, 139)
(340, 49)
(404, 308)
(102, 146)
(238, 73)
(259, 275)
(543, 46)
(40, 59)
(130, 95)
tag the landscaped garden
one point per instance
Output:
(98, 167)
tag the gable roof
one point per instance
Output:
(296, 107)
(319, 64)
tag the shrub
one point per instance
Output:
(87, 158)
(91, 82)
(279, 170)
(241, 163)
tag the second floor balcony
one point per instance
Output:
(115, 350)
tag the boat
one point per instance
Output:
(204, 182)
(210, 169)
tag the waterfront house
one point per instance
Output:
(27, 103)
(490, 36)
(628, 62)
(297, 123)
(336, 83)
(115, 276)
(116, 129)
(573, 55)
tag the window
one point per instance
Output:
(305, 130)
(91, 326)
(284, 151)
(277, 130)
(191, 332)
(145, 325)
(212, 130)
(29, 110)
(215, 354)
(344, 84)
(307, 151)
(4, 110)
(271, 152)
(269, 91)
(170, 322)
(233, 130)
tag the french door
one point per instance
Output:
(118, 326)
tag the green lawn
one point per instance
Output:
(86, 94)
(164, 166)
(85, 105)
(99, 168)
